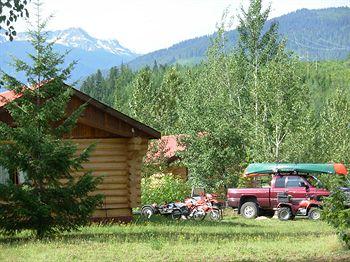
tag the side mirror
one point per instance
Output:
(303, 184)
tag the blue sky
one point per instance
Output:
(148, 25)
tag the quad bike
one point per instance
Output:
(288, 208)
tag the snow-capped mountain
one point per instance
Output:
(78, 38)
(91, 53)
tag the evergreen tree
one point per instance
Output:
(50, 199)
(89, 86)
(100, 86)
(110, 83)
(122, 88)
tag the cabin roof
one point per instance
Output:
(166, 148)
(137, 128)
(169, 145)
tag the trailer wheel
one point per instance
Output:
(249, 210)
(314, 213)
(284, 214)
(147, 211)
(176, 214)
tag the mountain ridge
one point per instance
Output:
(314, 34)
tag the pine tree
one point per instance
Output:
(121, 89)
(49, 200)
(100, 86)
(110, 85)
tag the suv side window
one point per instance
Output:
(293, 181)
(280, 182)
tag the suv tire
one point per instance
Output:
(249, 210)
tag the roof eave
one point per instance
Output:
(152, 133)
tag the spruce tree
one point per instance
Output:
(50, 199)
(122, 92)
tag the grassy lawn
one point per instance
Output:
(233, 239)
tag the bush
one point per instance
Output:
(336, 212)
(162, 189)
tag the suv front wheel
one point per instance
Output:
(249, 210)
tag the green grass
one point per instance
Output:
(233, 239)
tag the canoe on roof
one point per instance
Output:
(307, 168)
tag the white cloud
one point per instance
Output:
(144, 26)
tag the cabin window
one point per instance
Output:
(280, 182)
(4, 175)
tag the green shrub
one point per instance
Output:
(162, 189)
(336, 212)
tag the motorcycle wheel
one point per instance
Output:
(176, 214)
(215, 214)
(199, 215)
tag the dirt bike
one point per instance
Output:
(198, 209)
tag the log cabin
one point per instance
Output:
(121, 143)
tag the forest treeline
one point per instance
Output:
(258, 102)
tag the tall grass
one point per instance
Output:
(233, 239)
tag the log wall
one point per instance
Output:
(118, 161)
(137, 148)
